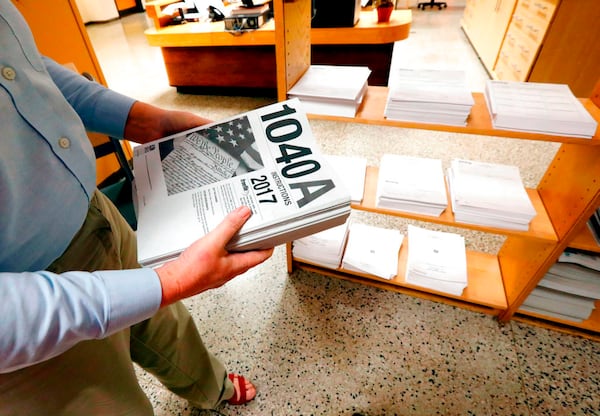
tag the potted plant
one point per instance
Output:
(384, 9)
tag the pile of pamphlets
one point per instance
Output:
(436, 260)
(372, 250)
(570, 288)
(325, 248)
(489, 194)
(411, 184)
(332, 90)
(557, 304)
(538, 107)
(352, 171)
(429, 96)
(266, 159)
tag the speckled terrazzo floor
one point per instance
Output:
(315, 345)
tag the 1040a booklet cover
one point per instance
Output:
(266, 159)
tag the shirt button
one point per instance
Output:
(9, 73)
(64, 142)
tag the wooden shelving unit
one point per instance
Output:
(565, 198)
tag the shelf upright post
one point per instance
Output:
(292, 42)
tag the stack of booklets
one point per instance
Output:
(429, 96)
(332, 90)
(411, 184)
(266, 159)
(539, 108)
(325, 247)
(436, 260)
(570, 288)
(489, 194)
(352, 170)
(372, 250)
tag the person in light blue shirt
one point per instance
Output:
(75, 307)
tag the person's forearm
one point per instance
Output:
(147, 122)
(101, 110)
(105, 111)
(62, 310)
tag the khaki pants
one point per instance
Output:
(97, 377)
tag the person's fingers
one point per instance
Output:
(229, 227)
(246, 260)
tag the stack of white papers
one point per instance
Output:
(411, 184)
(538, 107)
(332, 90)
(325, 248)
(373, 250)
(589, 261)
(351, 170)
(436, 260)
(429, 96)
(570, 288)
(489, 194)
(558, 304)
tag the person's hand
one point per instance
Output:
(206, 264)
(147, 122)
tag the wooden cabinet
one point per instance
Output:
(564, 199)
(543, 41)
(60, 34)
(570, 52)
(202, 56)
(485, 23)
(523, 39)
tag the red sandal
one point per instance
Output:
(241, 394)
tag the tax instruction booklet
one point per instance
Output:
(266, 159)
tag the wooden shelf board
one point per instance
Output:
(367, 31)
(584, 240)
(372, 110)
(540, 227)
(209, 34)
(484, 286)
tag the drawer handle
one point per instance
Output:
(541, 6)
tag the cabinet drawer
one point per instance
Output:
(530, 26)
(540, 9)
(510, 69)
(502, 70)
(520, 46)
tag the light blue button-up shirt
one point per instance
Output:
(47, 177)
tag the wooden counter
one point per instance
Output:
(202, 57)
